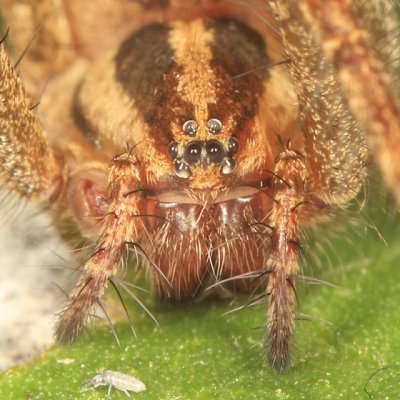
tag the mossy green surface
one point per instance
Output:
(197, 353)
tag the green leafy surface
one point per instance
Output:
(198, 353)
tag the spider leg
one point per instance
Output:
(117, 229)
(335, 149)
(28, 165)
(41, 35)
(283, 256)
(363, 78)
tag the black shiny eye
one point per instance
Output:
(192, 152)
(173, 149)
(228, 165)
(182, 170)
(233, 145)
(215, 151)
(190, 127)
(214, 126)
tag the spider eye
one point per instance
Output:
(173, 149)
(233, 145)
(214, 126)
(182, 170)
(190, 127)
(215, 151)
(228, 165)
(193, 152)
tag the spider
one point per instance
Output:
(203, 136)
